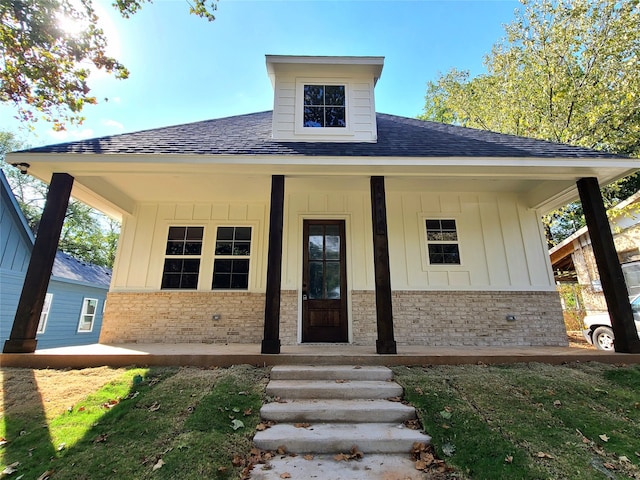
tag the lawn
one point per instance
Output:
(527, 421)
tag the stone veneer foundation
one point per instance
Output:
(443, 318)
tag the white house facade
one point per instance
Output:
(326, 222)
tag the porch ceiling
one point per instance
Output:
(116, 183)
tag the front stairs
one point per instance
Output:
(330, 409)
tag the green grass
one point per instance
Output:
(183, 417)
(527, 421)
(531, 421)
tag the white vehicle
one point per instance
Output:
(597, 327)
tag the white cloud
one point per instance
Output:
(113, 123)
(71, 135)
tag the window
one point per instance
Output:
(442, 242)
(88, 315)
(44, 314)
(324, 106)
(182, 265)
(231, 263)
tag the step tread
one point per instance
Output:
(333, 389)
(330, 372)
(332, 410)
(336, 437)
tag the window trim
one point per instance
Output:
(83, 313)
(426, 263)
(199, 257)
(46, 311)
(300, 129)
(252, 246)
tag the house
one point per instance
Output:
(323, 221)
(573, 259)
(76, 293)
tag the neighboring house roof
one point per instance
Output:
(251, 135)
(70, 268)
(65, 266)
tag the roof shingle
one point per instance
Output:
(251, 135)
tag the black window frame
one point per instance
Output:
(327, 106)
(443, 243)
(183, 257)
(232, 257)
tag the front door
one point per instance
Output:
(324, 282)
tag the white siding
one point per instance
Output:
(361, 120)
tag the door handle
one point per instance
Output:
(304, 296)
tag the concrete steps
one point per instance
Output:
(336, 408)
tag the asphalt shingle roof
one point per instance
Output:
(70, 268)
(251, 135)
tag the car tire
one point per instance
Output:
(603, 338)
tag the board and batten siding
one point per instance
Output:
(501, 243)
(143, 241)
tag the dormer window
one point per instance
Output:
(324, 106)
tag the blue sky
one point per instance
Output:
(185, 69)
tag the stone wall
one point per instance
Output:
(183, 317)
(442, 318)
(478, 319)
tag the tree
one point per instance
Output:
(86, 234)
(567, 71)
(45, 69)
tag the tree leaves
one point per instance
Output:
(566, 72)
(44, 69)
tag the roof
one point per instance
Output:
(65, 266)
(251, 135)
(69, 268)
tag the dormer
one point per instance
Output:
(324, 99)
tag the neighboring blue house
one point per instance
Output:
(72, 314)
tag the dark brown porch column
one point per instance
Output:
(385, 344)
(271, 339)
(34, 290)
(611, 277)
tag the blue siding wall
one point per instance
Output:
(14, 243)
(10, 288)
(64, 316)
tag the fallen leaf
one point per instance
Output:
(237, 461)
(285, 475)
(604, 437)
(281, 450)
(81, 409)
(158, 465)
(609, 466)
(261, 427)
(624, 459)
(101, 438)
(222, 469)
(544, 455)
(155, 407)
(420, 465)
(395, 399)
(237, 424)
(413, 424)
(557, 403)
(110, 403)
(45, 475)
(302, 425)
(10, 469)
(340, 457)
(308, 456)
(508, 459)
(62, 446)
(3, 441)
(248, 412)
(446, 415)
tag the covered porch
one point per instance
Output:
(210, 355)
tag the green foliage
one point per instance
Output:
(567, 71)
(44, 69)
(86, 234)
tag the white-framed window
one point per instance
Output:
(442, 242)
(322, 107)
(88, 314)
(182, 262)
(44, 314)
(231, 258)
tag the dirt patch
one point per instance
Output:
(577, 340)
(24, 389)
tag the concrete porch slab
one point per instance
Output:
(205, 355)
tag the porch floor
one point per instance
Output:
(206, 355)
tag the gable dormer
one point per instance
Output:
(324, 99)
